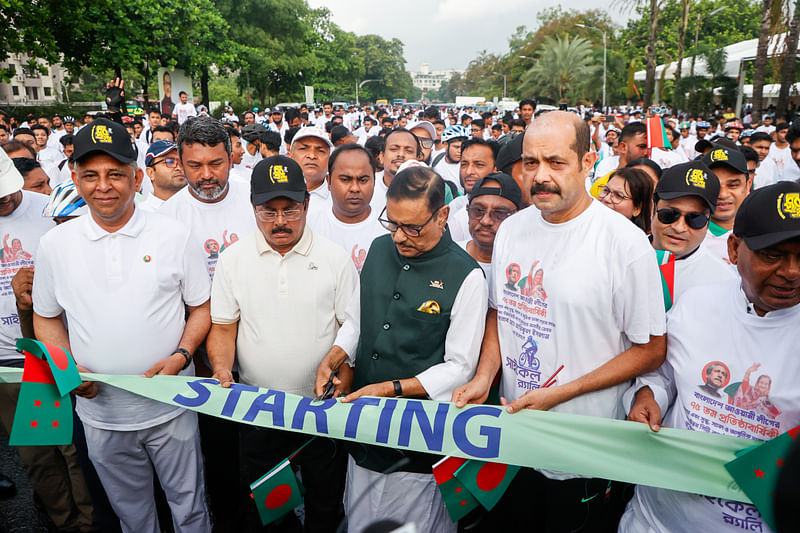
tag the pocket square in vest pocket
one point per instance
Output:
(431, 307)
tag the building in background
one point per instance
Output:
(428, 80)
(29, 86)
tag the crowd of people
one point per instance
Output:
(551, 261)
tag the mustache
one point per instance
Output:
(215, 181)
(544, 187)
(282, 229)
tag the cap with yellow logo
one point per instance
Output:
(724, 156)
(104, 136)
(277, 176)
(689, 179)
(769, 215)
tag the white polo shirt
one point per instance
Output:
(123, 296)
(289, 308)
(355, 238)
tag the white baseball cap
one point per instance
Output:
(427, 126)
(311, 131)
(11, 180)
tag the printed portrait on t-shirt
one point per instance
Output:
(13, 251)
(755, 396)
(212, 248)
(513, 273)
(716, 375)
(358, 255)
(227, 240)
(533, 284)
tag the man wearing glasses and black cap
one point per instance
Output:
(416, 284)
(685, 198)
(279, 299)
(748, 328)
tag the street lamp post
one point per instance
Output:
(504, 83)
(697, 36)
(605, 50)
(359, 85)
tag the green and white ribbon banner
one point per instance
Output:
(689, 461)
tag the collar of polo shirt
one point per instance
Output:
(132, 228)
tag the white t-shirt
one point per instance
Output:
(605, 166)
(319, 200)
(769, 130)
(735, 340)
(355, 239)
(782, 157)
(289, 307)
(700, 268)
(577, 294)
(766, 173)
(214, 227)
(458, 219)
(249, 161)
(716, 241)
(668, 158)
(378, 201)
(450, 172)
(486, 267)
(21, 231)
(123, 296)
(184, 111)
(151, 203)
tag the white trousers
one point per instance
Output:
(402, 496)
(125, 460)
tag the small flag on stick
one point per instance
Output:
(457, 499)
(656, 134)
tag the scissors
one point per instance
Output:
(329, 388)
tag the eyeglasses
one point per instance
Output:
(497, 215)
(693, 220)
(426, 143)
(171, 162)
(614, 197)
(270, 215)
(409, 229)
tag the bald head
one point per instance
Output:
(561, 121)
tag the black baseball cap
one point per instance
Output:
(769, 215)
(508, 188)
(721, 155)
(689, 179)
(277, 176)
(509, 154)
(107, 137)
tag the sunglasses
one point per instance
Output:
(693, 220)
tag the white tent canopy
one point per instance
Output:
(742, 51)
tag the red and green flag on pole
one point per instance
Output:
(666, 265)
(656, 134)
(44, 410)
(278, 492)
(756, 470)
(465, 484)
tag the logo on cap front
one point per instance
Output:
(277, 174)
(101, 134)
(789, 205)
(696, 178)
(719, 155)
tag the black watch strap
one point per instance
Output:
(185, 354)
(398, 389)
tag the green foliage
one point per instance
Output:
(562, 69)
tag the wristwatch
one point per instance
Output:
(398, 389)
(185, 354)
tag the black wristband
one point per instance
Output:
(398, 389)
(185, 354)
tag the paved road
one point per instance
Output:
(18, 514)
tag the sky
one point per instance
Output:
(447, 33)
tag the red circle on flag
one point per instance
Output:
(278, 497)
(59, 357)
(490, 475)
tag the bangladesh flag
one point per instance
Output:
(62, 366)
(486, 481)
(666, 265)
(656, 134)
(43, 416)
(757, 469)
(276, 493)
(458, 500)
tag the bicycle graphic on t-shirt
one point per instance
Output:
(528, 357)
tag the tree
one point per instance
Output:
(384, 61)
(563, 65)
(789, 61)
(761, 59)
(682, 40)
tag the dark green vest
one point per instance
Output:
(398, 340)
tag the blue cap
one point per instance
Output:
(157, 149)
